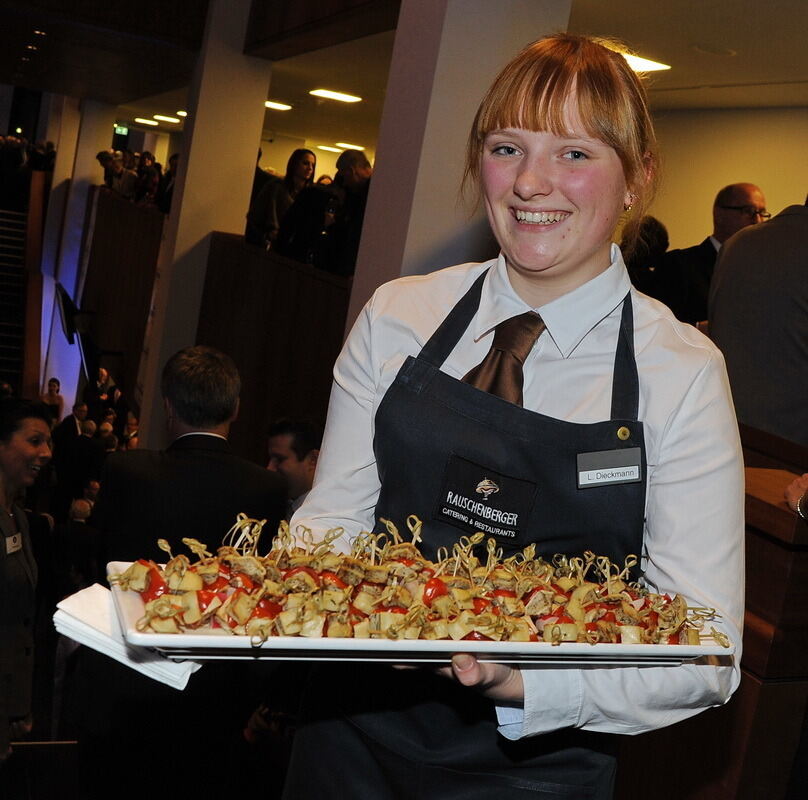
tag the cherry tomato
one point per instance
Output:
(242, 581)
(476, 636)
(298, 570)
(332, 579)
(480, 604)
(267, 609)
(503, 593)
(434, 588)
(157, 586)
(565, 620)
(395, 609)
(608, 617)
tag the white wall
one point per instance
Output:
(702, 151)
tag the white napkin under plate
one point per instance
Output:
(88, 618)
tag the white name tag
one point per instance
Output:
(612, 475)
(13, 543)
(609, 466)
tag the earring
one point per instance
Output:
(628, 206)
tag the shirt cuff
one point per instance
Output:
(552, 702)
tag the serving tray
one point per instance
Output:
(218, 645)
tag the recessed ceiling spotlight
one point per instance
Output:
(713, 50)
(347, 146)
(166, 119)
(143, 121)
(341, 96)
(182, 113)
(39, 33)
(277, 106)
(643, 64)
(31, 47)
(330, 149)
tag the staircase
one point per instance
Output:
(12, 295)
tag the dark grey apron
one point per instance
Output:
(464, 460)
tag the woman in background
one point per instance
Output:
(275, 199)
(53, 400)
(24, 451)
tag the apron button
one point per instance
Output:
(623, 433)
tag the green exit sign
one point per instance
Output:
(121, 130)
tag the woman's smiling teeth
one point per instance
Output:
(540, 217)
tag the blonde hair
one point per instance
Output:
(531, 91)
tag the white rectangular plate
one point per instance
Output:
(214, 645)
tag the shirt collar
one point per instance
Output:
(201, 433)
(568, 318)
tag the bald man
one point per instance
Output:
(684, 275)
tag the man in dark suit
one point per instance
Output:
(194, 488)
(197, 486)
(683, 276)
(759, 319)
(69, 429)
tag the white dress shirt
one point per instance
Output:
(694, 528)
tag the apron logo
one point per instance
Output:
(486, 487)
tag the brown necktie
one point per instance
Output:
(500, 372)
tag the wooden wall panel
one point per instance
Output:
(282, 322)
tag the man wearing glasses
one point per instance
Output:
(683, 276)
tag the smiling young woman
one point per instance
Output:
(24, 450)
(586, 370)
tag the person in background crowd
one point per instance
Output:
(79, 551)
(24, 451)
(99, 394)
(294, 446)
(353, 176)
(128, 440)
(682, 277)
(306, 232)
(105, 159)
(69, 429)
(520, 371)
(325, 180)
(274, 200)
(195, 487)
(166, 189)
(123, 181)
(90, 493)
(651, 243)
(54, 400)
(148, 179)
(759, 320)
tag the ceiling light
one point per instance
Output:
(165, 119)
(31, 47)
(643, 64)
(40, 33)
(330, 149)
(145, 121)
(344, 98)
(182, 113)
(346, 146)
(277, 106)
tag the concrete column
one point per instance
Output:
(446, 54)
(212, 192)
(76, 158)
